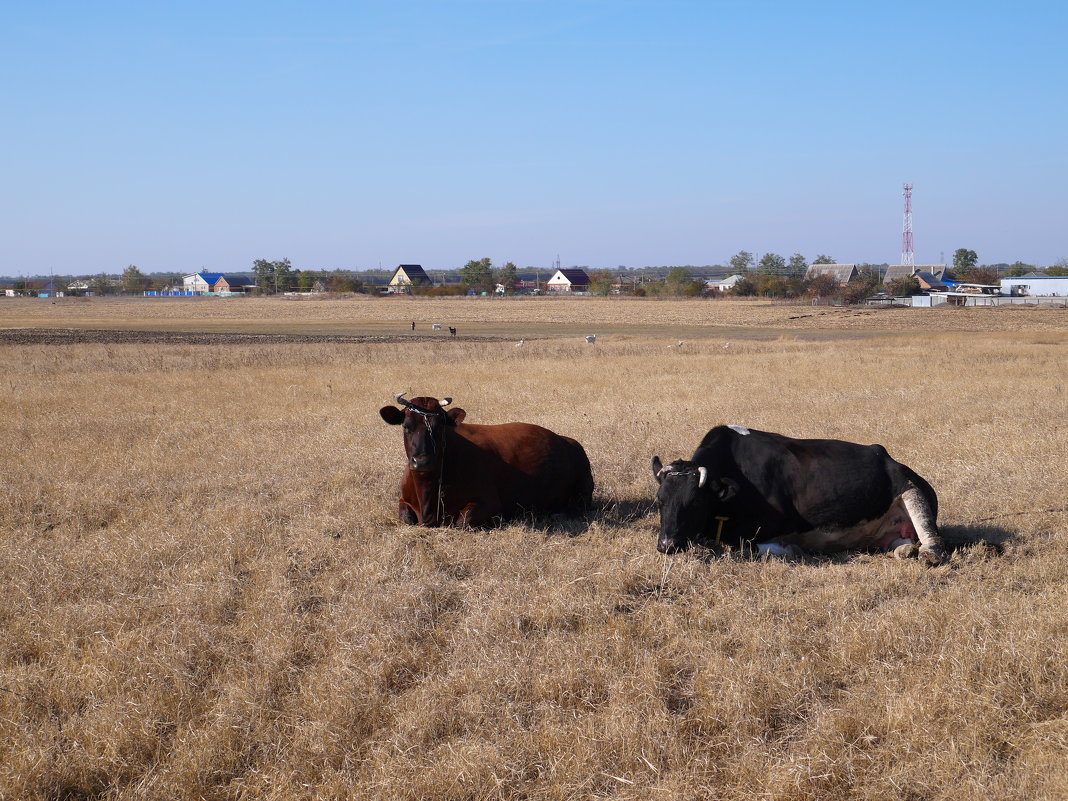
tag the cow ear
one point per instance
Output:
(392, 415)
(725, 489)
(456, 415)
(657, 467)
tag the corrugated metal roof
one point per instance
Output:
(841, 272)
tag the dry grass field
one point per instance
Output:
(204, 592)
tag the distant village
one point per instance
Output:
(821, 282)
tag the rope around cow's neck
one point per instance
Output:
(441, 474)
(426, 415)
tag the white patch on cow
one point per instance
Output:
(772, 549)
(745, 432)
(923, 521)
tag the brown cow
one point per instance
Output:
(473, 475)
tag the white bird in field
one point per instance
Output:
(681, 343)
(520, 343)
(591, 338)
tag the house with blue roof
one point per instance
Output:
(234, 285)
(200, 282)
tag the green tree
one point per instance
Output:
(744, 288)
(903, 287)
(133, 280)
(478, 275)
(1060, 268)
(822, 286)
(601, 284)
(964, 260)
(680, 283)
(101, 285)
(283, 276)
(981, 275)
(508, 277)
(772, 264)
(859, 288)
(797, 266)
(822, 259)
(871, 271)
(742, 262)
(770, 285)
(339, 281)
(1018, 268)
(264, 271)
(273, 276)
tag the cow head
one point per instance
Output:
(689, 500)
(425, 421)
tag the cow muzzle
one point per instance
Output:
(423, 464)
(667, 545)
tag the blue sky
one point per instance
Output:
(194, 135)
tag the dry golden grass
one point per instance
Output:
(204, 592)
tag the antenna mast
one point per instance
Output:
(907, 251)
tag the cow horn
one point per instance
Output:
(703, 473)
(400, 399)
(444, 402)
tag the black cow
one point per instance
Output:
(783, 494)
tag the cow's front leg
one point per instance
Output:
(407, 515)
(478, 513)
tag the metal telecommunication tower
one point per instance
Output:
(907, 252)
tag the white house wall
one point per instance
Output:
(1056, 287)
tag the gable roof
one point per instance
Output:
(842, 273)
(236, 280)
(897, 271)
(209, 278)
(414, 273)
(730, 280)
(928, 280)
(573, 276)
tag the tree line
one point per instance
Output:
(771, 275)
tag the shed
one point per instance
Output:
(570, 280)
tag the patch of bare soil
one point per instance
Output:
(78, 336)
